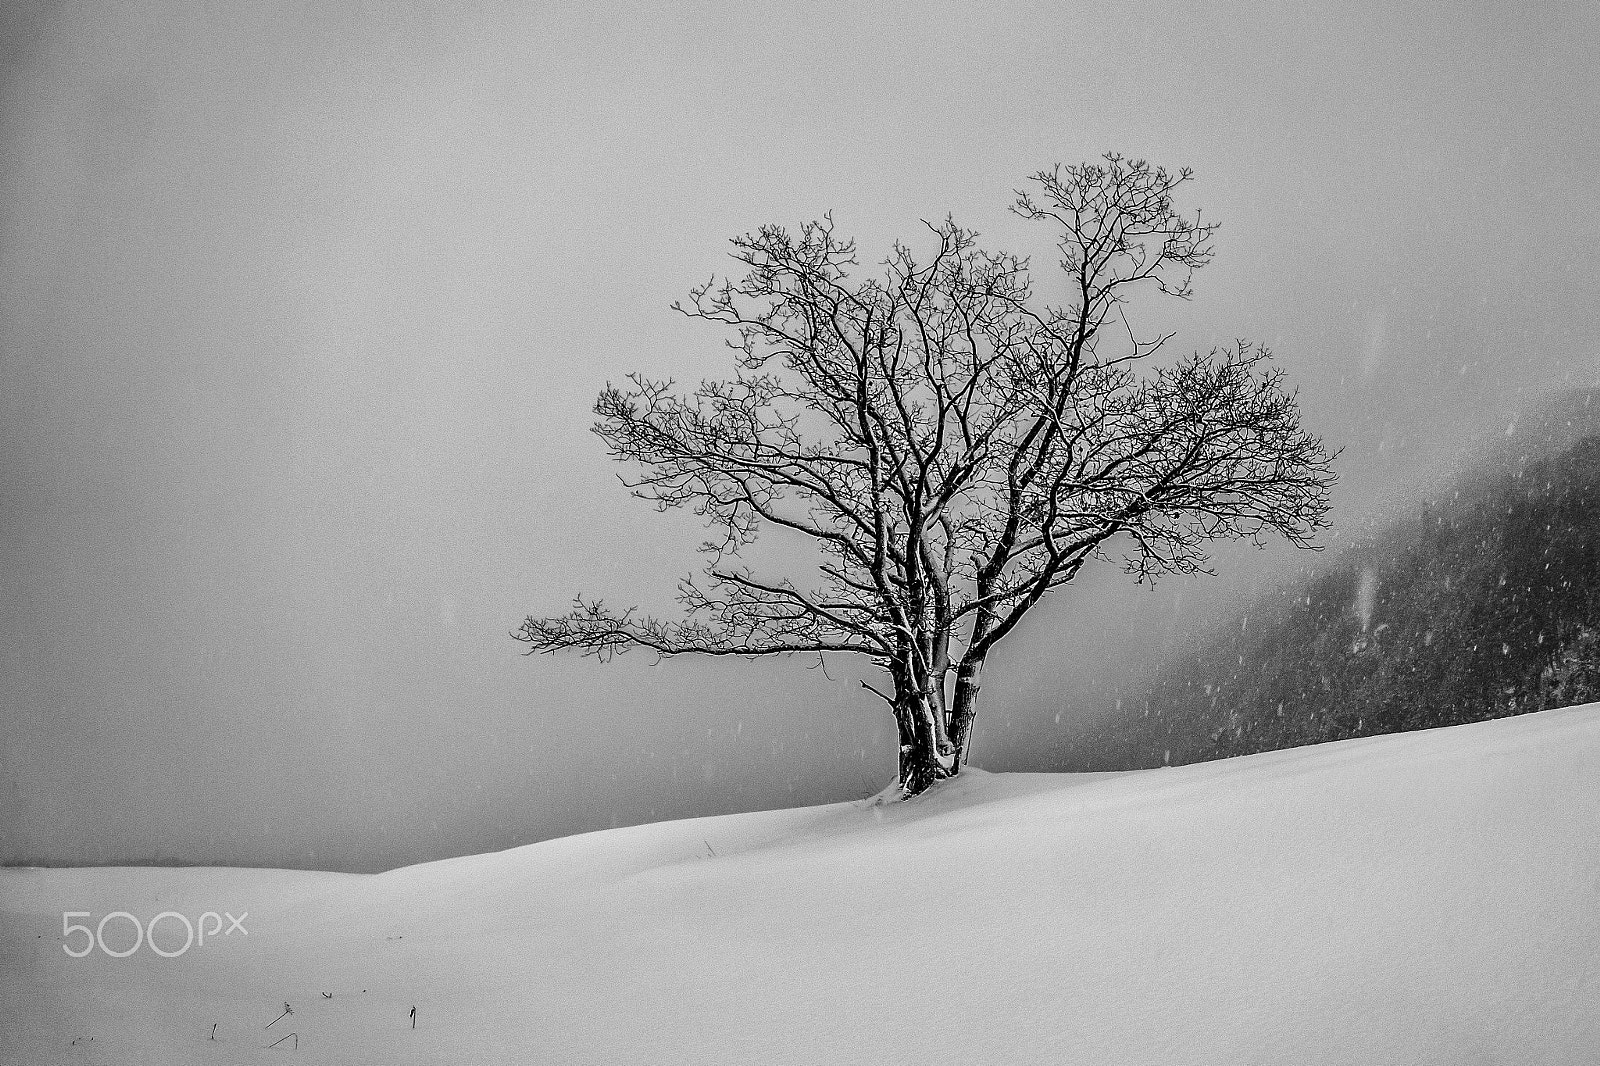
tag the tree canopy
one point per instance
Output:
(952, 447)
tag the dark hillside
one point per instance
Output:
(1484, 603)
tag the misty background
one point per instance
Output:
(303, 308)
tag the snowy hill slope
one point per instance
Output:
(1421, 898)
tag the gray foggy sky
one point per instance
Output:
(303, 308)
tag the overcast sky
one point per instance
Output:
(303, 308)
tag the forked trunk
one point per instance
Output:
(927, 753)
(921, 762)
(933, 744)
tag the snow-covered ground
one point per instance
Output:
(1424, 898)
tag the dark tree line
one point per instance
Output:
(1483, 604)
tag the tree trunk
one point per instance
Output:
(906, 722)
(964, 708)
(921, 763)
(926, 753)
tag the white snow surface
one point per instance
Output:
(1428, 897)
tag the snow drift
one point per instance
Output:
(1422, 898)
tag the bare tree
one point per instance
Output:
(952, 448)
